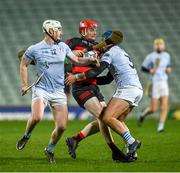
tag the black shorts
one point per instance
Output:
(83, 93)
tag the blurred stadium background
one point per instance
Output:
(141, 21)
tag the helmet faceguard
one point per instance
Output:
(110, 38)
(55, 26)
(106, 35)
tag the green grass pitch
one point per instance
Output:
(159, 151)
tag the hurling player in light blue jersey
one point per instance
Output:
(48, 56)
(127, 95)
(158, 64)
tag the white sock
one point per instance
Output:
(128, 138)
(160, 126)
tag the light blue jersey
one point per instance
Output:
(50, 60)
(122, 68)
(160, 61)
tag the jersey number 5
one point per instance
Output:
(130, 62)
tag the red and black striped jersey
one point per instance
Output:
(82, 44)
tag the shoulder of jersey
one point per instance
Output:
(166, 53)
(74, 39)
(37, 44)
(151, 54)
(116, 48)
(62, 43)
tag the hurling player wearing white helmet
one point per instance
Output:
(158, 65)
(48, 56)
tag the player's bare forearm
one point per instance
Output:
(78, 53)
(23, 71)
(87, 75)
(83, 60)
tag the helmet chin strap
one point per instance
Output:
(85, 33)
(56, 41)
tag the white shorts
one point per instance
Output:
(159, 89)
(56, 98)
(130, 93)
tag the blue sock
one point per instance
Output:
(50, 147)
(128, 138)
(27, 135)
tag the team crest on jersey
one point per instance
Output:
(61, 49)
(49, 51)
(53, 51)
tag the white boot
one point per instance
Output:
(160, 127)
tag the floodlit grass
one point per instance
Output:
(159, 151)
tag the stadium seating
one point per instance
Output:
(140, 20)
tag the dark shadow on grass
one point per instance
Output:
(67, 160)
(43, 160)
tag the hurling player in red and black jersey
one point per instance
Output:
(87, 93)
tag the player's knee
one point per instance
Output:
(106, 119)
(61, 127)
(102, 114)
(97, 113)
(103, 104)
(121, 118)
(36, 119)
(153, 109)
(94, 123)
